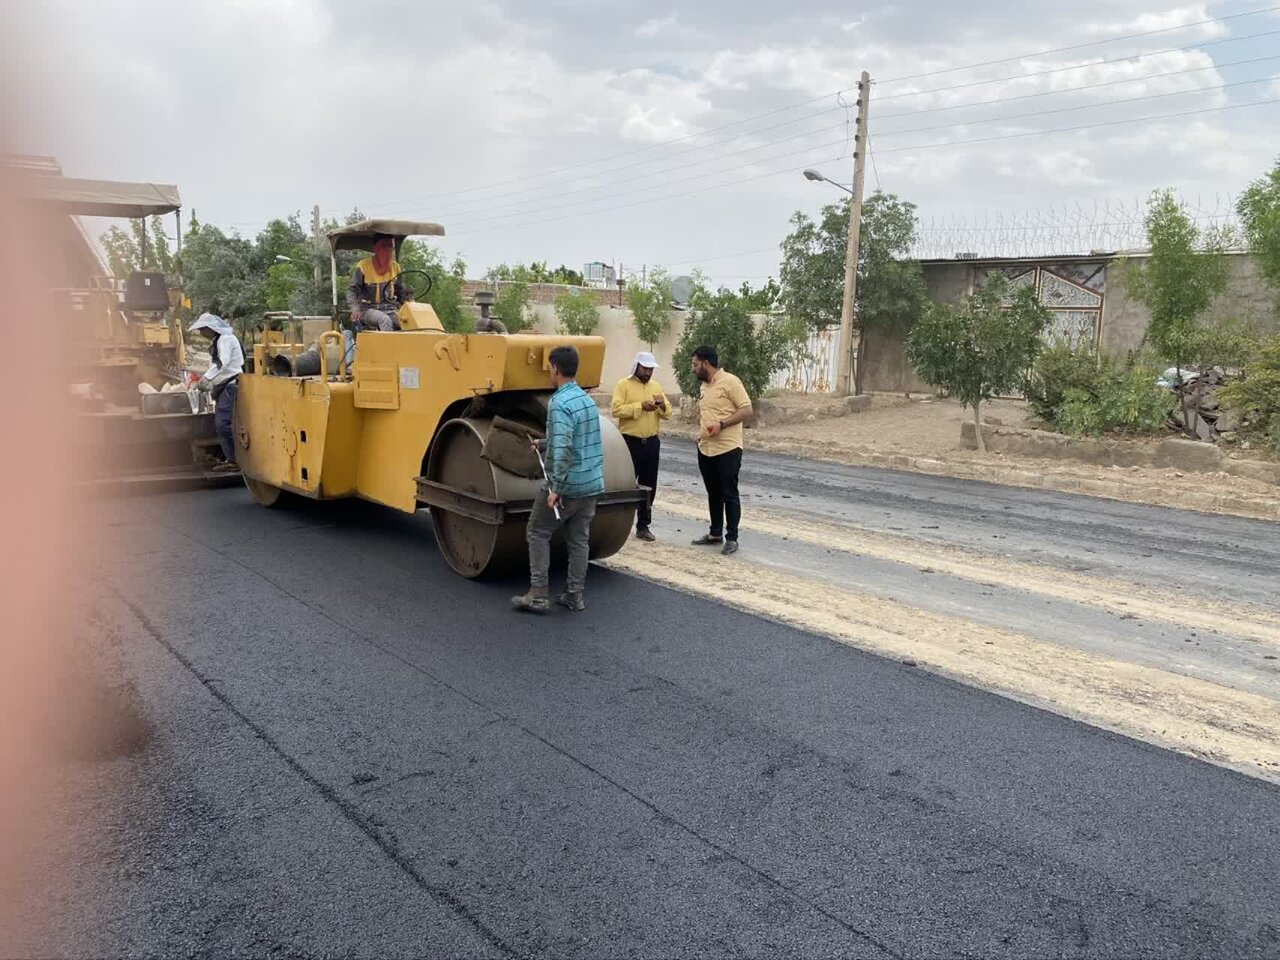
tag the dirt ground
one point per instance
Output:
(929, 428)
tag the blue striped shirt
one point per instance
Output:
(575, 452)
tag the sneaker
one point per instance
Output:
(730, 546)
(531, 603)
(644, 533)
(708, 540)
(572, 601)
(226, 466)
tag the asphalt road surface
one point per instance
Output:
(356, 753)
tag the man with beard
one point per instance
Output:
(639, 407)
(723, 407)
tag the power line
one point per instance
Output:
(790, 169)
(1077, 66)
(1081, 89)
(1086, 126)
(1082, 46)
(533, 206)
(812, 100)
(1081, 106)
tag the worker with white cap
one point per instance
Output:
(639, 407)
(221, 380)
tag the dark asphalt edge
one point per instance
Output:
(353, 816)
(386, 846)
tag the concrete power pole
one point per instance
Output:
(846, 383)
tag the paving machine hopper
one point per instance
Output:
(121, 335)
(411, 419)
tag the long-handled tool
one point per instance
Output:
(534, 443)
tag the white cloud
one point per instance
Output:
(1166, 20)
(656, 26)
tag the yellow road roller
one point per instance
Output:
(411, 418)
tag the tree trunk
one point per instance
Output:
(977, 429)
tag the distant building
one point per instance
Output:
(599, 275)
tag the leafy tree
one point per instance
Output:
(650, 306)
(753, 353)
(762, 299)
(982, 348)
(891, 290)
(1259, 209)
(445, 295)
(512, 304)
(577, 312)
(222, 274)
(125, 250)
(1185, 272)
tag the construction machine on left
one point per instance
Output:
(137, 426)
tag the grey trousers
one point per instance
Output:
(575, 517)
(373, 319)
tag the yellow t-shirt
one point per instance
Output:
(721, 399)
(628, 397)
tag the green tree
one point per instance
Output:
(222, 273)
(1255, 397)
(982, 348)
(447, 282)
(125, 250)
(650, 306)
(577, 312)
(1185, 272)
(753, 353)
(512, 305)
(1259, 209)
(762, 299)
(891, 289)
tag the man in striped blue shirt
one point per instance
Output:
(575, 478)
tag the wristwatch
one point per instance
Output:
(722, 425)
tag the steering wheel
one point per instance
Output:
(414, 293)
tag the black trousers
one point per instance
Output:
(645, 453)
(720, 477)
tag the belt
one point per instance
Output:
(629, 437)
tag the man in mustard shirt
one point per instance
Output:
(723, 407)
(639, 407)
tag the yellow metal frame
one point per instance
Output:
(366, 432)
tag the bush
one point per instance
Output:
(577, 312)
(513, 301)
(1084, 393)
(753, 354)
(1255, 397)
(1124, 400)
(1058, 370)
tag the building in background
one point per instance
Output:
(599, 275)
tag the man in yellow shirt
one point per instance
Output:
(639, 407)
(723, 407)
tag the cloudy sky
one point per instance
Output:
(652, 132)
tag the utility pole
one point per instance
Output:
(319, 242)
(846, 383)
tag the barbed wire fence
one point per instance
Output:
(1080, 229)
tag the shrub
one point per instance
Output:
(1124, 398)
(1058, 370)
(577, 312)
(1255, 396)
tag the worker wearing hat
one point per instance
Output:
(222, 380)
(639, 407)
(376, 291)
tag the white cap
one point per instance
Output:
(645, 360)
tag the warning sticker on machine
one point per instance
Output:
(409, 378)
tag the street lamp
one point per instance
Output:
(844, 371)
(281, 258)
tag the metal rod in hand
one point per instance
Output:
(542, 464)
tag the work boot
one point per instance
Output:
(572, 601)
(644, 533)
(730, 546)
(226, 466)
(709, 539)
(531, 603)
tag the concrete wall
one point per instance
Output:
(617, 326)
(884, 355)
(1247, 297)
